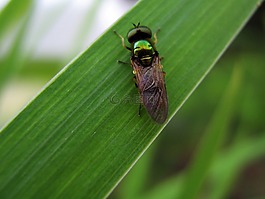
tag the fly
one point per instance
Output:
(148, 73)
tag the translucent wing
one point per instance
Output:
(152, 89)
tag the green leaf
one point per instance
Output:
(12, 12)
(82, 134)
(212, 140)
(15, 56)
(227, 169)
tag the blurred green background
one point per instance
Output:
(28, 61)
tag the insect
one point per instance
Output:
(147, 70)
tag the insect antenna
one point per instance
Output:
(136, 26)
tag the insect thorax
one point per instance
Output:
(144, 51)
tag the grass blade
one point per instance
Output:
(228, 167)
(212, 139)
(14, 59)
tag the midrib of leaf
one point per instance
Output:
(71, 141)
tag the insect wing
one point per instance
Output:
(152, 89)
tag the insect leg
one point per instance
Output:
(139, 111)
(155, 36)
(122, 62)
(135, 82)
(122, 40)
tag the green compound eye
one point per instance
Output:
(138, 33)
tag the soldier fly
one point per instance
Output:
(147, 70)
